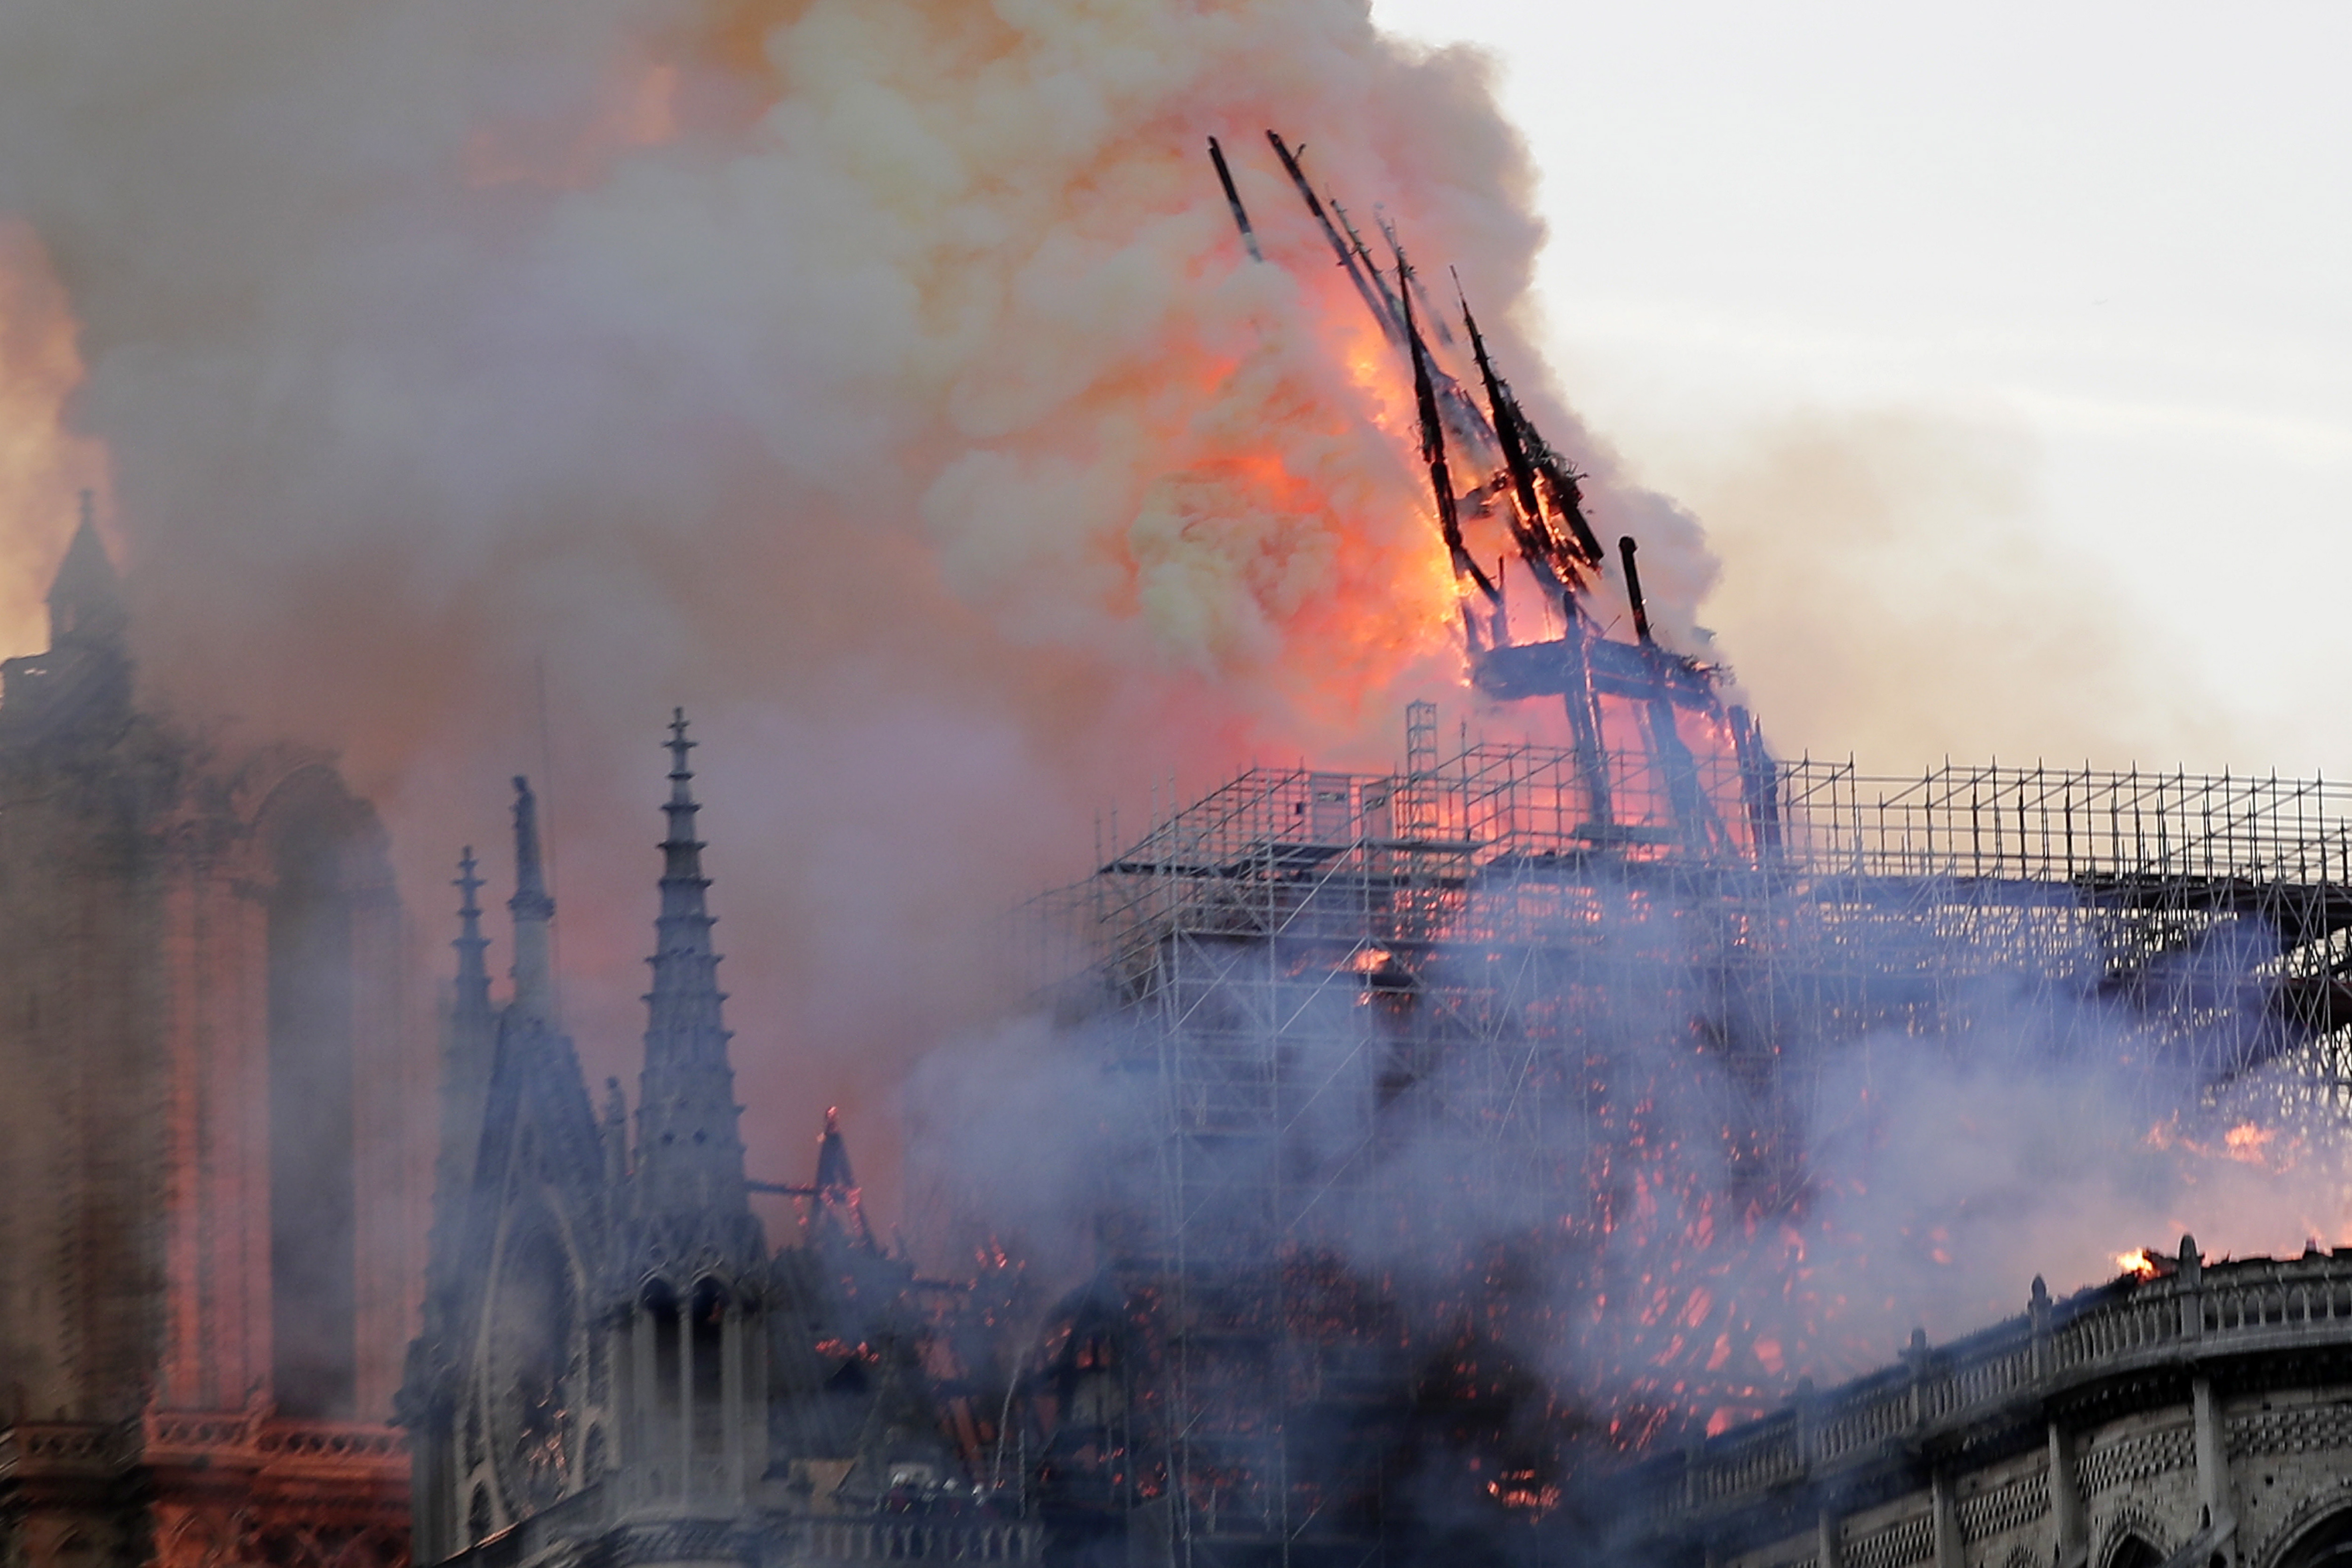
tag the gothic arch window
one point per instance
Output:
(659, 1304)
(2133, 1551)
(531, 1366)
(478, 1516)
(2328, 1543)
(708, 1324)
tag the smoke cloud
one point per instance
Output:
(1887, 594)
(885, 382)
(1671, 1231)
(880, 379)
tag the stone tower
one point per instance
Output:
(206, 1244)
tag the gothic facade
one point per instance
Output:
(2193, 1415)
(615, 1364)
(207, 1253)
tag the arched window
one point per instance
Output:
(2133, 1551)
(710, 1319)
(2327, 1544)
(707, 1339)
(659, 1303)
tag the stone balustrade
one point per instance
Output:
(888, 1539)
(2190, 1312)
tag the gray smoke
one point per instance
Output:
(882, 382)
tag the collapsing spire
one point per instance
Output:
(533, 911)
(691, 1193)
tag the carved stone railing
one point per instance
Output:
(340, 1443)
(2190, 1311)
(250, 1440)
(888, 1539)
(56, 1447)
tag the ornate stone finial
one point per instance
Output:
(2040, 1295)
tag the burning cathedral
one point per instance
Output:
(1459, 1107)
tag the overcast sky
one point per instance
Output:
(2005, 348)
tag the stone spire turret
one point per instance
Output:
(468, 1039)
(533, 911)
(691, 1195)
(81, 686)
(473, 1001)
(86, 607)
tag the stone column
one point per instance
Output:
(2066, 1502)
(730, 1399)
(1950, 1550)
(2213, 1492)
(685, 1395)
(643, 1442)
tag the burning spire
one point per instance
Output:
(1440, 478)
(837, 1203)
(1233, 200)
(1657, 691)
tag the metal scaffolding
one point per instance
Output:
(1355, 1002)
